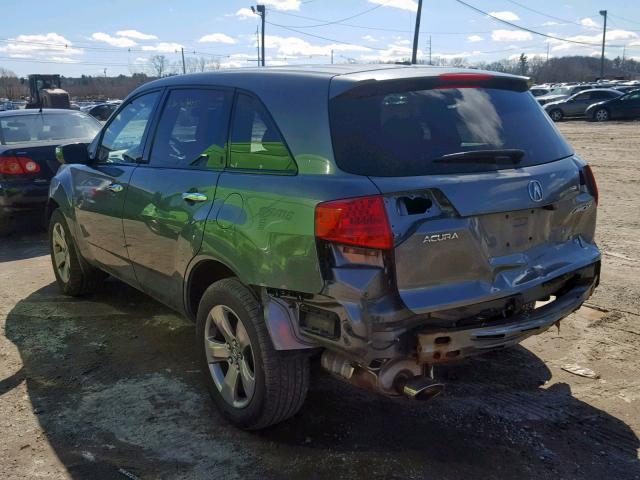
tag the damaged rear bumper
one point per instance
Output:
(451, 344)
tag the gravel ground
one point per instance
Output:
(108, 387)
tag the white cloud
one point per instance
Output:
(283, 4)
(510, 36)
(393, 53)
(475, 38)
(121, 42)
(612, 36)
(136, 35)
(63, 59)
(505, 15)
(451, 56)
(231, 64)
(410, 5)
(39, 44)
(550, 24)
(20, 55)
(370, 38)
(162, 47)
(589, 23)
(293, 46)
(530, 56)
(217, 38)
(245, 13)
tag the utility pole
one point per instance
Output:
(430, 50)
(184, 67)
(332, 56)
(260, 10)
(105, 73)
(604, 34)
(416, 34)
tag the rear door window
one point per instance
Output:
(256, 142)
(408, 132)
(192, 130)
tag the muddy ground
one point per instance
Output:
(107, 386)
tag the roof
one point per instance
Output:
(36, 111)
(291, 74)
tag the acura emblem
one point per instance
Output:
(535, 191)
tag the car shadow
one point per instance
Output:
(26, 240)
(114, 382)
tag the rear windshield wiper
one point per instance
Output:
(507, 155)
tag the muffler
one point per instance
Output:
(395, 378)
(422, 388)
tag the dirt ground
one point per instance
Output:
(107, 386)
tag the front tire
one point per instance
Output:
(556, 115)
(252, 384)
(74, 275)
(601, 115)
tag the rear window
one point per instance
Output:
(47, 127)
(401, 134)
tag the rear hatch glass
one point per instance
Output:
(410, 133)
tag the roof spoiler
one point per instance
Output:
(368, 88)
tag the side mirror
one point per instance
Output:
(73, 153)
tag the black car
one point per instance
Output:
(625, 106)
(103, 112)
(28, 139)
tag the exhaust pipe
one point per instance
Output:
(421, 388)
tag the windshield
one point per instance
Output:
(561, 91)
(405, 133)
(47, 127)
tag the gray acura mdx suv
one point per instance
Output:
(386, 218)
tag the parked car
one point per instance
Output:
(576, 105)
(387, 217)
(28, 139)
(560, 93)
(623, 107)
(627, 88)
(102, 112)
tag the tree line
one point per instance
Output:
(541, 70)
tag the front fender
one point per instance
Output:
(60, 196)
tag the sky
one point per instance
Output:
(74, 37)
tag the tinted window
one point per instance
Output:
(256, 143)
(631, 96)
(47, 127)
(583, 96)
(123, 139)
(397, 134)
(192, 131)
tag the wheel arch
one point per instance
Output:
(201, 273)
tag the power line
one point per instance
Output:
(544, 14)
(624, 19)
(324, 38)
(332, 22)
(519, 27)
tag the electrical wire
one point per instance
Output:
(332, 22)
(544, 14)
(324, 38)
(519, 27)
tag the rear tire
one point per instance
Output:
(252, 384)
(74, 275)
(556, 115)
(601, 115)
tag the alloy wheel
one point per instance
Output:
(556, 115)
(230, 356)
(61, 252)
(602, 115)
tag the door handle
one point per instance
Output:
(194, 197)
(115, 188)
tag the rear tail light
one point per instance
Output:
(359, 221)
(589, 180)
(10, 165)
